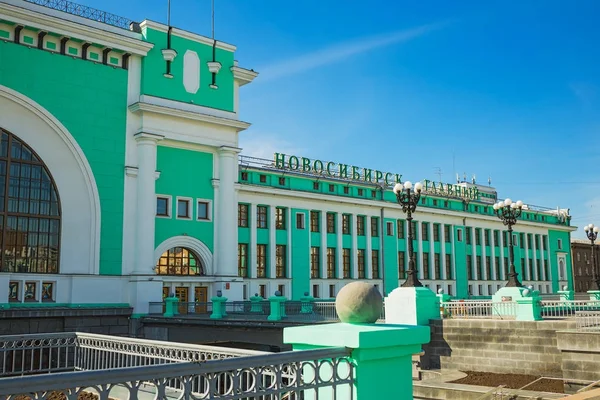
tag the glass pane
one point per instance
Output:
(182, 208)
(202, 210)
(161, 206)
(16, 149)
(4, 145)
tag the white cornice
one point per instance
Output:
(379, 204)
(140, 107)
(243, 75)
(186, 35)
(159, 101)
(43, 18)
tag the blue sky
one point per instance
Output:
(507, 90)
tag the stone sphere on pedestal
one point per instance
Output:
(359, 303)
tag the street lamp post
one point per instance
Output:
(409, 199)
(508, 212)
(592, 233)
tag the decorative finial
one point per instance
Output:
(359, 303)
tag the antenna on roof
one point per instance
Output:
(213, 66)
(457, 178)
(489, 180)
(473, 179)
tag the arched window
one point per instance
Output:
(561, 269)
(29, 210)
(179, 261)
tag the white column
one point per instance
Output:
(253, 241)
(146, 203)
(340, 246)
(443, 253)
(272, 246)
(484, 255)
(419, 250)
(354, 246)
(323, 233)
(368, 263)
(288, 257)
(226, 218)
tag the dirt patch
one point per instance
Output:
(511, 381)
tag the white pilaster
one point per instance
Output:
(272, 246)
(226, 218)
(253, 241)
(146, 202)
(419, 250)
(484, 255)
(288, 257)
(443, 251)
(323, 233)
(354, 250)
(368, 250)
(340, 246)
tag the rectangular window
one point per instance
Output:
(389, 227)
(332, 291)
(436, 232)
(346, 224)
(459, 235)
(468, 235)
(281, 180)
(243, 215)
(546, 271)
(374, 227)
(529, 241)
(545, 242)
(487, 237)
(488, 267)
(331, 263)
(183, 208)
(479, 267)
(360, 225)
(162, 206)
(346, 190)
(426, 266)
(360, 192)
(375, 263)
(280, 218)
(415, 232)
(315, 262)
(262, 291)
(280, 261)
(531, 277)
(450, 290)
(314, 221)
(496, 238)
(299, 220)
(261, 217)
(400, 228)
(449, 267)
(477, 237)
(435, 202)
(346, 263)
(316, 293)
(202, 211)
(401, 265)
(437, 268)
(263, 179)
(470, 267)
(331, 188)
(281, 289)
(559, 244)
(261, 260)
(330, 222)
(361, 264)
(522, 240)
(243, 260)
(447, 237)
(537, 242)
(538, 269)
(425, 231)
(316, 185)
(497, 268)
(244, 176)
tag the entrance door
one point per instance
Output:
(182, 294)
(201, 299)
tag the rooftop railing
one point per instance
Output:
(90, 13)
(73, 364)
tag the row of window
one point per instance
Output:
(529, 266)
(183, 209)
(331, 224)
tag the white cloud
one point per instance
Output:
(264, 145)
(341, 51)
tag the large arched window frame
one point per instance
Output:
(179, 261)
(30, 211)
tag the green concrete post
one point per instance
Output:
(381, 355)
(566, 295)
(171, 304)
(529, 307)
(306, 304)
(277, 303)
(218, 303)
(256, 304)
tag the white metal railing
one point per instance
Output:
(479, 309)
(587, 320)
(567, 308)
(289, 375)
(74, 351)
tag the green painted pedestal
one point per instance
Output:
(277, 308)
(256, 304)
(171, 304)
(306, 304)
(382, 355)
(218, 304)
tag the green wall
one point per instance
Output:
(154, 83)
(185, 173)
(90, 100)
